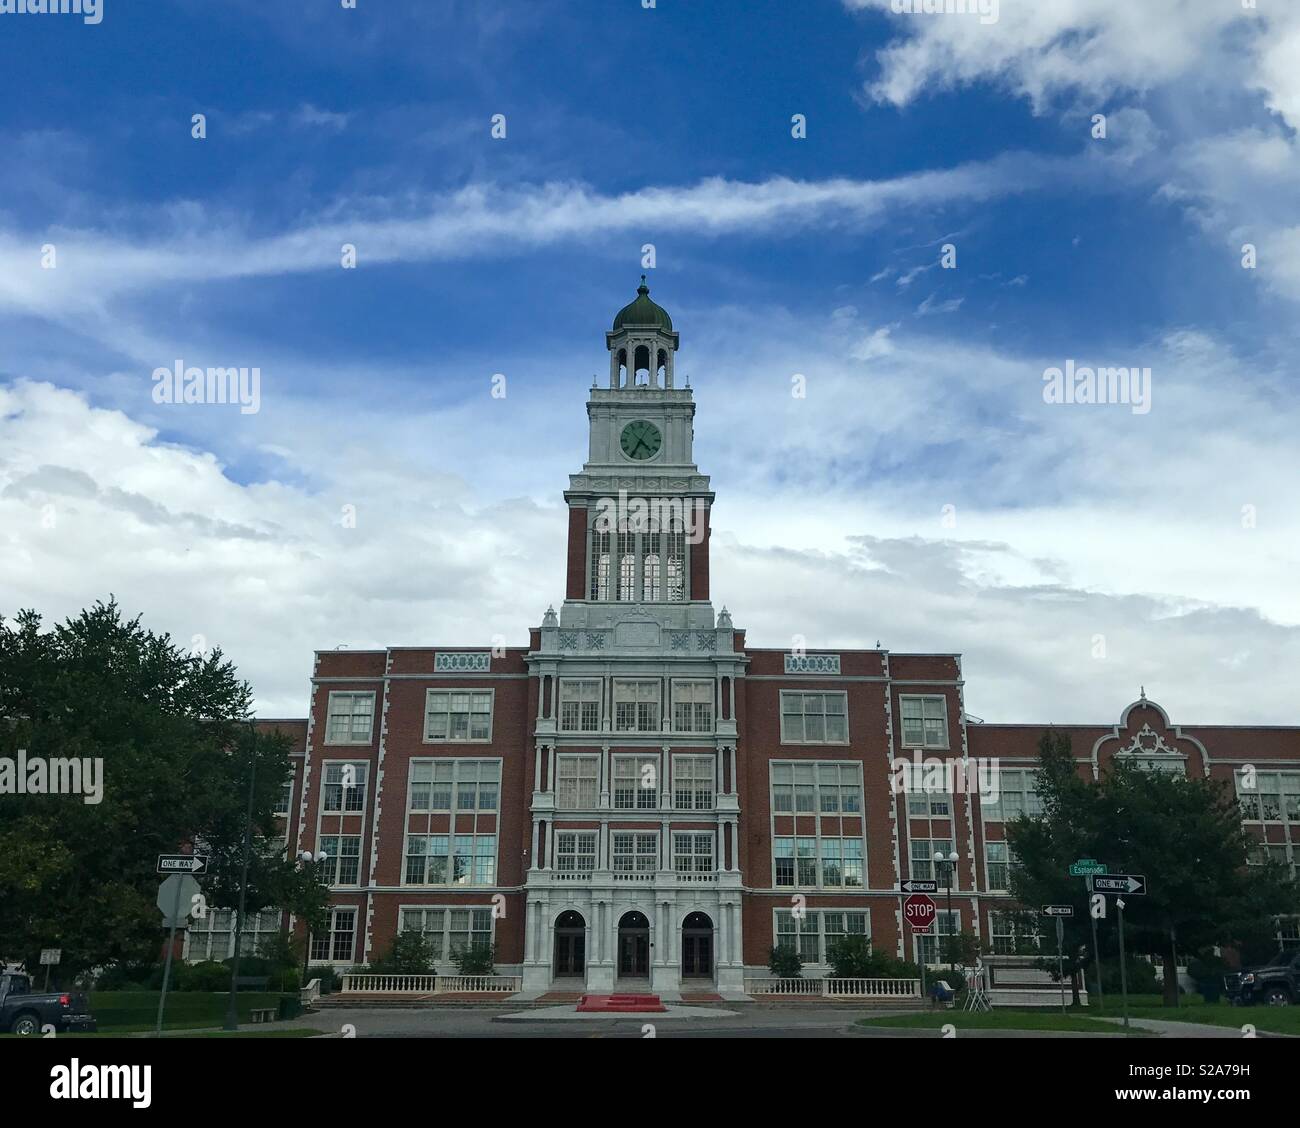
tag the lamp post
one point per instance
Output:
(307, 858)
(948, 862)
(232, 1012)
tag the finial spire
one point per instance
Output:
(643, 288)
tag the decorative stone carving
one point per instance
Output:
(568, 640)
(706, 641)
(1146, 741)
(812, 663)
(595, 640)
(462, 662)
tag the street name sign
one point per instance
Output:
(1125, 883)
(51, 956)
(1086, 867)
(193, 864)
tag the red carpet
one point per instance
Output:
(621, 1004)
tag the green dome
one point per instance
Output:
(643, 313)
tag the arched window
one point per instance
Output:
(600, 565)
(642, 364)
(650, 581)
(622, 368)
(676, 563)
(626, 566)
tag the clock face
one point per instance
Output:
(641, 440)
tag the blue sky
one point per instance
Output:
(775, 255)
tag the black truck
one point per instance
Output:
(23, 1013)
(1276, 982)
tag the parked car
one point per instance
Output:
(1276, 982)
(22, 1012)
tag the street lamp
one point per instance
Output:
(307, 858)
(948, 863)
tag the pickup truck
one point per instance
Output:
(1276, 982)
(26, 1014)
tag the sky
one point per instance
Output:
(920, 213)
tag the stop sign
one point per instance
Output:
(918, 911)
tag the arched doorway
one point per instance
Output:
(697, 947)
(633, 946)
(570, 944)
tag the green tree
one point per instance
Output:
(784, 962)
(1184, 834)
(409, 954)
(175, 738)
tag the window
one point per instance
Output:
(1017, 795)
(693, 706)
(636, 706)
(923, 851)
(928, 804)
(576, 782)
(350, 718)
(1275, 796)
(580, 705)
(814, 718)
(444, 859)
(999, 861)
(842, 861)
(475, 785)
(210, 937)
(693, 783)
(636, 783)
(257, 929)
(925, 722)
(449, 930)
(650, 566)
(600, 565)
(575, 851)
(458, 715)
(928, 947)
(345, 788)
(635, 853)
(342, 864)
(285, 801)
(1288, 932)
(626, 566)
(676, 570)
(1012, 935)
(806, 786)
(813, 933)
(693, 853)
(335, 944)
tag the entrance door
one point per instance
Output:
(570, 944)
(697, 947)
(634, 946)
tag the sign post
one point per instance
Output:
(1086, 868)
(1121, 885)
(1059, 913)
(918, 911)
(172, 892)
(50, 957)
(1123, 972)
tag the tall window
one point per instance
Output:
(442, 859)
(634, 853)
(335, 944)
(636, 706)
(1012, 934)
(999, 860)
(923, 852)
(345, 788)
(803, 787)
(1274, 798)
(449, 930)
(676, 563)
(693, 853)
(813, 934)
(285, 801)
(841, 860)
(577, 782)
(342, 864)
(600, 565)
(693, 783)
(925, 722)
(258, 929)
(928, 946)
(575, 851)
(580, 705)
(212, 936)
(626, 566)
(473, 784)
(458, 715)
(350, 718)
(1017, 795)
(814, 718)
(650, 580)
(693, 706)
(795, 861)
(636, 783)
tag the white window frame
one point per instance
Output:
(562, 760)
(352, 799)
(449, 713)
(926, 700)
(637, 856)
(787, 737)
(694, 854)
(334, 859)
(1006, 862)
(331, 711)
(681, 759)
(927, 862)
(444, 949)
(1024, 781)
(331, 931)
(576, 854)
(459, 771)
(695, 724)
(816, 918)
(565, 684)
(643, 798)
(455, 850)
(657, 718)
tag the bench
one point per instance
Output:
(251, 982)
(263, 1014)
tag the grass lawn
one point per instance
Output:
(125, 1012)
(1001, 1019)
(1275, 1020)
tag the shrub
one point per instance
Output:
(329, 980)
(206, 976)
(784, 962)
(852, 958)
(1142, 978)
(477, 959)
(409, 954)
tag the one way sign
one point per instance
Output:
(912, 885)
(1124, 883)
(193, 864)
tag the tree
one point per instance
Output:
(784, 962)
(409, 954)
(173, 734)
(1184, 834)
